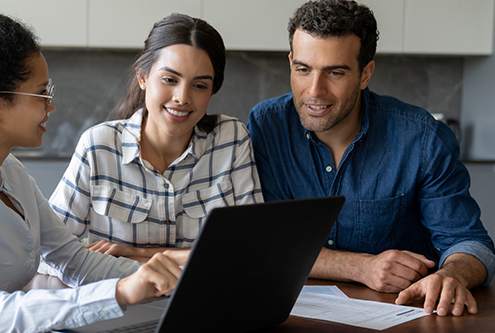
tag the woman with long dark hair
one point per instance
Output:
(29, 229)
(146, 182)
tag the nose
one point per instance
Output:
(51, 107)
(182, 95)
(318, 87)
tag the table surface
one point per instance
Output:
(483, 321)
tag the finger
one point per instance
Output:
(427, 262)
(414, 291)
(179, 256)
(471, 303)
(459, 301)
(447, 293)
(409, 267)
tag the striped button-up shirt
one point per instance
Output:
(110, 191)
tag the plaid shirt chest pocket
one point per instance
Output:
(197, 204)
(123, 206)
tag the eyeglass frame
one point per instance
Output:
(50, 92)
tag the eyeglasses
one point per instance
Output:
(50, 91)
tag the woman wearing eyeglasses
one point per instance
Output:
(147, 182)
(29, 229)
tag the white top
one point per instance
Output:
(111, 191)
(41, 233)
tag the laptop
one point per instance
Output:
(245, 271)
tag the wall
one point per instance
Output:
(478, 108)
(91, 82)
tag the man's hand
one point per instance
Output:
(437, 286)
(155, 278)
(449, 285)
(392, 271)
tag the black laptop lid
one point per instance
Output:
(249, 264)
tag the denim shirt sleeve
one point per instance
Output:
(448, 211)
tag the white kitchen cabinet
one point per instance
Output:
(252, 25)
(127, 23)
(55, 22)
(389, 15)
(448, 27)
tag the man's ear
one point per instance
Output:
(290, 59)
(366, 74)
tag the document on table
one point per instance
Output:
(344, 310)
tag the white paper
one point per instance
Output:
(367, 314)
(325, 290)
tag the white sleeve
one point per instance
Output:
(71, 261)
(42, 310)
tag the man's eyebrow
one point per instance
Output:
(326, 68)
(201, 77)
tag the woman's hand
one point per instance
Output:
(114, 249)
(155, 278)
(141, 254)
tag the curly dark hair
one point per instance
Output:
(171, 30)
(327, 18)
(17, 44)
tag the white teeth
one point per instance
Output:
(177, 113)
(43, 124)
(317, 107)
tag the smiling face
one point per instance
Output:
(22, 123)
(178, 89)
(326, 81)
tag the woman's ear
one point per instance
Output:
(142, 81)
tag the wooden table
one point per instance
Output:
(482, 322)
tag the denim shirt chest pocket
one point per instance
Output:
(123, 206)
(197, 204)
(379, 222)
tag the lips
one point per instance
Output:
(178, 115)
(316, 109)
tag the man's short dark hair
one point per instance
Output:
(327, 18)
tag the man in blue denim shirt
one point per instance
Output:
(407, 206)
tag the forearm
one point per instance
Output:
(339, 266)
(148, 252)
(467, 269)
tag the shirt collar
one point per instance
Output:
(131, 137)
(131, 140)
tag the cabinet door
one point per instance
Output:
(389, 15)
(127, 23)
(252, 25)
(448, 27)
(55, 22)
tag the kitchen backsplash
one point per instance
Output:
(91, 82)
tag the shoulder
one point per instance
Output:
(392, 108)
(104, 133)
(228, 129)
(12, 164)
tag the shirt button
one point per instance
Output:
(102, 313)
(31, 254)
(166, 185)
(329, 169)
(308, 136)
(330, 242)
(168, 222)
